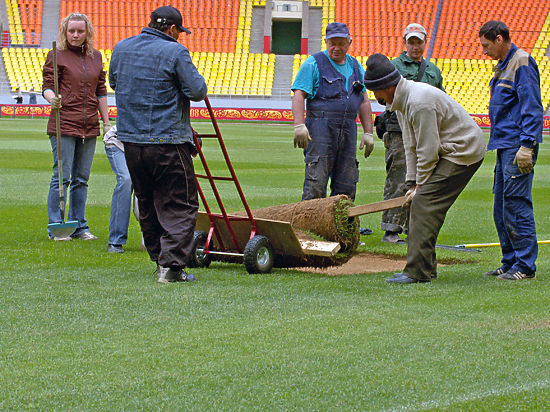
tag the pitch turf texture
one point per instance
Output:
(86, 330)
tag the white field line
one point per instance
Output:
(443, 403)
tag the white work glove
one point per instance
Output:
(409, 197)
(301, 136)
(367, 141)
(55, 103)
(524, 160)
(106, 128)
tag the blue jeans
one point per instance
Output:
(78, 155)
(122, 197)
(513, 213)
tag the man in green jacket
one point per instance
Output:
(409, 64)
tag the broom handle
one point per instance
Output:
(472, 245)
(58, 135)
(375, 207)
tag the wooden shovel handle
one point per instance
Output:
(375, 207)
(58, 134)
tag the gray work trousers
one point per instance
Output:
(394, 220)
(428, 210)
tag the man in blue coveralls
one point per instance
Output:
(516, 114)
(331, 82)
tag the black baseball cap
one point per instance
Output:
(169, 15)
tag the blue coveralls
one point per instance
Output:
(331, 121)
(516, 114)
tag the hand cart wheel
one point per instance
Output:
(258, 255)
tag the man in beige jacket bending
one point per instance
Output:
(443, 148)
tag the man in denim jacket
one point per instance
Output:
(154, 79)
(516, 114)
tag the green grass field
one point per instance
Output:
(82, 329)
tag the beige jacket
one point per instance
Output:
(434, 126)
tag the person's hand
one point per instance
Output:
(409, 197)
(367, 141)
(524, 160)
(301, 136)
(55, 103)
(106, 128)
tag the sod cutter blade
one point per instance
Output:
(62, 229)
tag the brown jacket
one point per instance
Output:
(81, 81)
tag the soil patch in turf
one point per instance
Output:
(361, 263)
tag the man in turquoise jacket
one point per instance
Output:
(331, 82)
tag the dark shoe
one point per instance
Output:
(391, 237)
(186, 277)
(398, 275)
(169, 275)
(115, 249)
(365, 231)
(496, 272)
(404, 279)
(515, 275)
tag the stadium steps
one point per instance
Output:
(433, 34)
(283, 75)
(3, 16)
(314, 32)
(257, 30)
(50, 22)
(4, 80)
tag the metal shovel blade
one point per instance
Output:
(459, 248)
(63, 229)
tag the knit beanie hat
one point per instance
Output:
(381, 73)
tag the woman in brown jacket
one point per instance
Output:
(82, 92)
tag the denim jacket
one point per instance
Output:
(154, 80)
(515, 108)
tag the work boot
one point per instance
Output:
(392, 237)
(398, 275)
(404, 279)
(169, 275)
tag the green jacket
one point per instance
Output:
(409, 70)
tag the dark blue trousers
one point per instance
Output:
(331, 153)
(513, 213)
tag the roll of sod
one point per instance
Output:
(322, 219)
